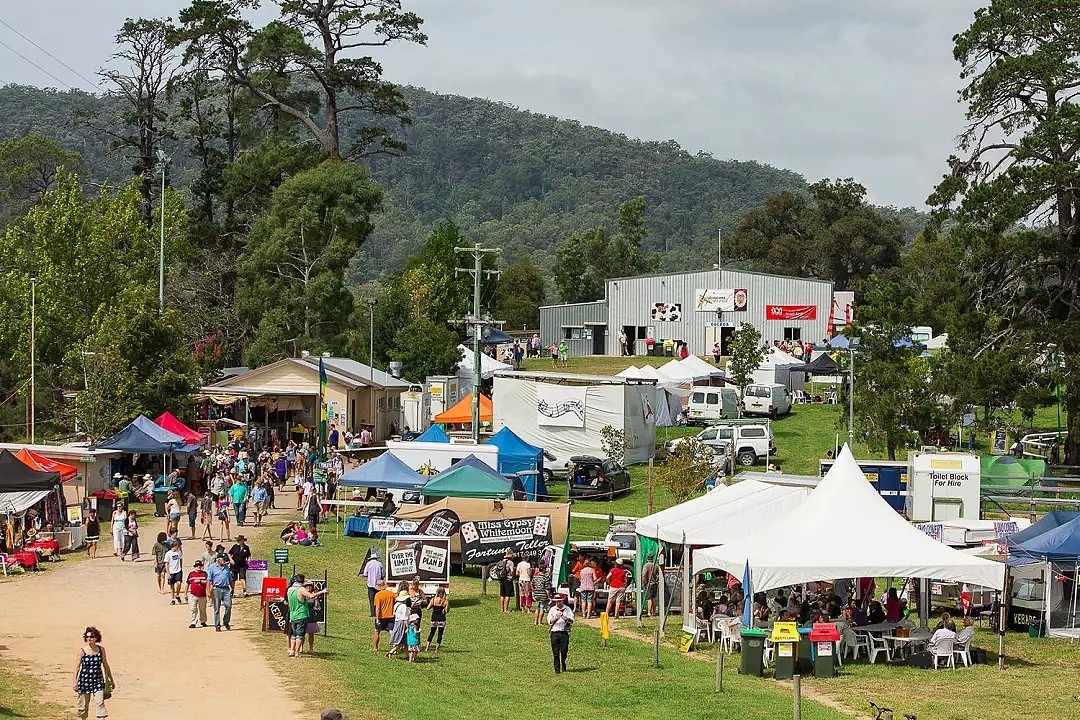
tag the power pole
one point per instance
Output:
(477, 323)
(33, 351)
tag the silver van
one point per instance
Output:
(771, 399)
(712, 403)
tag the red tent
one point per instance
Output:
(43, 464)
(171, 423)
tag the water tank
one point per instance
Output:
(395, 368)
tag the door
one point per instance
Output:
(725, 340)
(599, 340)
(631, 334)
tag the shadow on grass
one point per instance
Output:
(581, 670)
(9, 713)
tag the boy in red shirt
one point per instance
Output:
(196, 594)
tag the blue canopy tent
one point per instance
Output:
(386, 471)
(435, 433)
(1049, 521)
(516, 455)
(1060, 543)
(142, 435)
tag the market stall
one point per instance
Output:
(517, 457)
(29, 500)
(470, 478)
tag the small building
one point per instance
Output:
(285, 394)
(697, 308)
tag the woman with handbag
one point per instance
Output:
(93, 678)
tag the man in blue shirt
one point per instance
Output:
(260, 498)
(220, 580)
(238, 493)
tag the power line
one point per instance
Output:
(70, 69)
(36, 65)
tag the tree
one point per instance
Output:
(1010, 203)
(583, 262)
(747, 353)
(293, 268)
(425, 348)
(141, 86)
(520, 294)
(685, 470)
(30, 166)
(312, 44)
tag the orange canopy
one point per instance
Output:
(171, 423)
(43, 464)
(462, 412)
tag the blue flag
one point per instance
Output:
(748, 603)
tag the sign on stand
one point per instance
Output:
(318, 605)
(257, 571)
(277, 616)
(417, 556)
(281, 558)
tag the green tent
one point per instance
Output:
(1004, 472)
(468, 478)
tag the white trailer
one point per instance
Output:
(439, 456)
(565, 413)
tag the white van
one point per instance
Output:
(770, 399)
(712, 403)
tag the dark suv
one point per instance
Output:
(597, 479)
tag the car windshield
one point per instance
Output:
(758, 391)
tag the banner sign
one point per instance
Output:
(441, 523)
(791, 312)
(391, 525)
(277, 616)
(318, 605)
(418, 556)
(720, 299)
(931, 529)
(666, 312)
(560, 405)
(1003, 529)
(486, 541)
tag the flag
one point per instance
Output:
(748, 602)
(322, 409)
(562, 578)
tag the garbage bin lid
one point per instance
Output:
(824, 632)
(785, 632)
(753, 632)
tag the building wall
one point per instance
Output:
(582, 320)
(631, 301)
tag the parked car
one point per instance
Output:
(597, 478)
(712, 403)
(771, 399)
(752, 441)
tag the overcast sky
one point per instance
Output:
(828, 88)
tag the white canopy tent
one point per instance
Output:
(675, 370)
(844, 529)
(698, 366)
(631, 372)
(774, 358)
(723, 515)
(488, 366)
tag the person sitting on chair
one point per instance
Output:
(943, 633)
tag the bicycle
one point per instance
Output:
(884, 713)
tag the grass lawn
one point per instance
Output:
(491, 662)
(20, 695)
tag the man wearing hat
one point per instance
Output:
(196, 594)
(560, 619)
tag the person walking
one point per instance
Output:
(260, 496)
(92, 674)
(716, 353)
(373, 571)
(401, 619)
(191, 506)
(172, 512)
(158, 550)
(220, 581)
(93, 532)
(238, 563)
(223, 518)
(503, 571)
(312, 509)
(174, 569)
(412, 637)
(440, 605)
(206, 515)
(541, 592)
(560, 619)
(650, 578)
(131, 537)
(385, 598)
(523, 570)
(196, 594)
(119, 527)
(238, 494)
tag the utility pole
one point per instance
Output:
(851, 400)
(477, 324)
(371, 303)
(33, 350)
(163, 163)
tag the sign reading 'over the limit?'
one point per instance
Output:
(486, 541)
(420, 557)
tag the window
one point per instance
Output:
(752, 432)
(712, 399)
(566, 333)
(792, 334)
(725, 433)
(707, 435)
(698, 397)
(758, 391)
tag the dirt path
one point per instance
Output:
(163, 669)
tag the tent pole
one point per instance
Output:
(1004, 616)
(924, 602)
(637, 581)
(687, 597)
(662, 591)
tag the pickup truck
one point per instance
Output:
(752, 441)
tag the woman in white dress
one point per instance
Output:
(119, 526)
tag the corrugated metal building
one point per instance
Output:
(698, 308)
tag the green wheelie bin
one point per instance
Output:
(752, 653)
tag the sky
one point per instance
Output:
(827, 88)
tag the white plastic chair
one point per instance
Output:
(767, 653)
(798, 397)
(722, 630)
(854, 642)
(944, 651)
(962, 646)
(879, 645)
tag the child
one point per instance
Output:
(301, 536)
(313, 536)
(159, 550)
(412, 636)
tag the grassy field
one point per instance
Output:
(20, 695)
(492, 662)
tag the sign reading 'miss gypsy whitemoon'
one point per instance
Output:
(486, 541)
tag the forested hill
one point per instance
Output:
(518, 180)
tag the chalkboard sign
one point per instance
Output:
(277, 616)
(318, 605)
(281, 556)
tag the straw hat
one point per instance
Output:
(403, 596)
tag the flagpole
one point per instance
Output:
(322, 409)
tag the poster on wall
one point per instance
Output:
(791, 312)
(486, 541)
(667, 312)
(560, 405)
(720, 299)
(418, 556)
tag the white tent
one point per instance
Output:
(488, 366)
(631, 372)
(844, 529)
(696, 365)
(774, 358)
(675, 370)
(723, 515)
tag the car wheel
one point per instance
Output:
(549, 477)
(747, 457)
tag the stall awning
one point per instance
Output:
(143, 436)
(16, 476)
(43, 464)
(17, 503)
(462, 412)
(172, 423)
(385, 471)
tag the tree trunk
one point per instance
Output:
(1071, 400)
